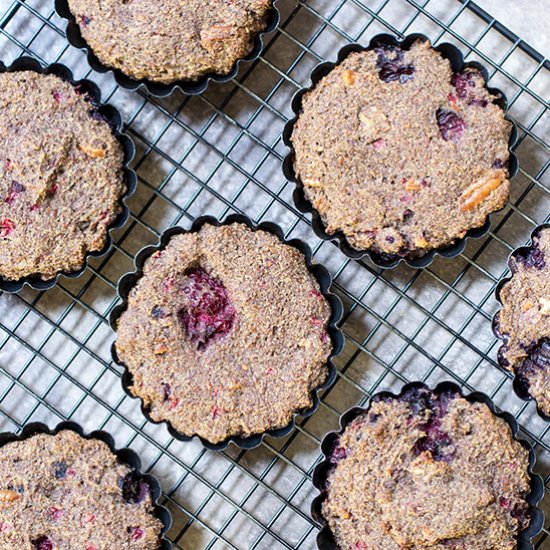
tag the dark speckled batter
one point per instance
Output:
(225, 333)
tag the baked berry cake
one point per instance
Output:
(427, 471)
(61, 176)
(181, 41)
(398, 153)
(65, 491)
(524, 320)
(225, 333)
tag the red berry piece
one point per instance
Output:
(15, 190)
(87, 518)
(208, 313)
(504, 503)
(58, 96)
(451, 125)
(42, 543)
(6, 227)
(316, 293)
(136, 533)
(55, 513)
(379, 144)
(5, 527)
(215, 412)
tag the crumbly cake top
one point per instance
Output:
(225, 333)
(182, 41)
(427, 471)
(399, 153)
(524, 320)
(60, 176)
(65, 491)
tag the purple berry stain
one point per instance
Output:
(158, 313)
(84, 20)
(60, 469)
(538, 359)
(15, 190)
(134, 489)
(463, 81)
(436, 441)
(534, 258)
(391, 66)
(208, 312)
(451, 125)
(42, 543)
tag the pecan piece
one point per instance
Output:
(7, 496)
(348, 76)
(478, 191)
(92, 152)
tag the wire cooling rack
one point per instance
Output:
(221, 153)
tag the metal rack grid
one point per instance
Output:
(221, 153)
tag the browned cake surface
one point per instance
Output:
(399, 154)
(426, 472)
(524, 320)
(60, 176)
(225, 333)
(65, 492)
(179, 40)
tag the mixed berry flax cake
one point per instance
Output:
(183, 41)
(225, 333)
(524, 320)
(427, 470)
(399, 154)
(61, 176)
(65, 492)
